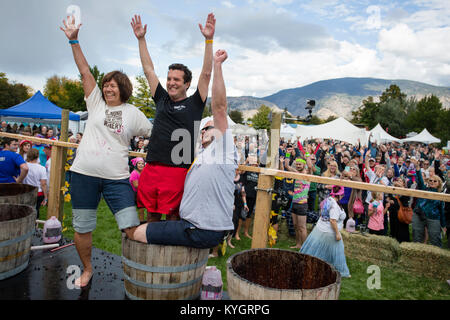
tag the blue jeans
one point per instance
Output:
(86, 192)
(183, 233)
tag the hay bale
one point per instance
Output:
(425, 259)
(371, 248)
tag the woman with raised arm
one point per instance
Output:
(101, 165)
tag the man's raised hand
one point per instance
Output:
(220, 56)
(70, 29)
(209, 28)
(139, 30)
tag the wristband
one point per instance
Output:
(73, 41)
(245, 203)
(209, 41)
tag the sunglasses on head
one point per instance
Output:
(207, 128)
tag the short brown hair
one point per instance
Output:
(124, 83)
(187, 73)
(32, 154)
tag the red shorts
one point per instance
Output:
(161, 188)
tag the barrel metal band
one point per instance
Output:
(16, 255)
(18, 239)
(162, 286)
(13, 272)
(133, 297)
(165, 269)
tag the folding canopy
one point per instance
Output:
(37, 107)
(423, 137)
(338, 129)
(380, 135)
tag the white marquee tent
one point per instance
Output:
(338, 129)
(205, 120)
(380, 135)
(423, 137)
(287, 131)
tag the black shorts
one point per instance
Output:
(299, 209)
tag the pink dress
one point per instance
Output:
(376, 220)
(134, 176)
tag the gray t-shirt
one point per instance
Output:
(208, 194)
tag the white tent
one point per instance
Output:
(205, 120)
(338, 129)
(239, 129)
(381, 136)
(287, 132)
(423, 137)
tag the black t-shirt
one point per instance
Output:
(250, 182)
(169, 117)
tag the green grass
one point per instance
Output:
(395, 284)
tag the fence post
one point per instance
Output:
(57, 173)
(265, 182)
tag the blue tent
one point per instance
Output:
(37, 107)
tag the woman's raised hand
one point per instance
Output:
(139, 30)
(70, 29)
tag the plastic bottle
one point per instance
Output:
(212, 284)
(52, 230)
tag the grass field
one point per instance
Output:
(395, 284)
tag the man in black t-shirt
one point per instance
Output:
(171, 146)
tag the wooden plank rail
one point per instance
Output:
(351, 184)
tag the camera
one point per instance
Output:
(283, 199)
(310, 104)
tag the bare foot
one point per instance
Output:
(248, 236)
(84, 280)
(230, 245)
(295, 247)
(237, 238)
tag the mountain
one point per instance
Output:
(337, 97)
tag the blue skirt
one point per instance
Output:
(323, 245)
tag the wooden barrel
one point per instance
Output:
(155, 272)
(16, 229)
(18, 193)
(275, 274)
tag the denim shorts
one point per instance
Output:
(183, 233)
(86, 192)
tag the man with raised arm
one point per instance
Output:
(171, 146)
(206, 208)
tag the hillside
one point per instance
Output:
(337, 97)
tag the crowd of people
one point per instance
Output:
(24, 161)
(413, 166)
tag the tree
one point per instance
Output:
(392, 93)
(207, 111)
(426, 114)
(261, 119)
(365, 114)
(143, 98)
(236, 116)
(65, 93)
(330, 118)
(12, 94)
(98, 76)
(443, 127)
(391, 118)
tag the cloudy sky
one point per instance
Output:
(272, 44)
